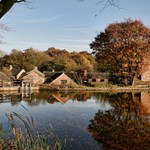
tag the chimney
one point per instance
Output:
(35, 68)
(10, 67)
(84, 73)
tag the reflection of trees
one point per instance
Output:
(123, 127)
(81, 96)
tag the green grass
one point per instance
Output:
(27, 137)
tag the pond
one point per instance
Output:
(86, 121)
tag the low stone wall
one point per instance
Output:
(16, 88)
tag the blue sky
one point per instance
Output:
(65, 24)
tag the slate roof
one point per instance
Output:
(22, 75)
(104, 75)
(11, 73)
(36, 71)
(56, 75)
(51, 76)
(15, 71)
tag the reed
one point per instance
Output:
(27, 137)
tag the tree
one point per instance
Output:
(25, 60)
(124, 46)
(6, 5)
(74, 61)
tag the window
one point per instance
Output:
(102, 80)
(93, 80)
(63, 82)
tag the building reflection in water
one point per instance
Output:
(43, 97)
(125, 126)
(145, 100)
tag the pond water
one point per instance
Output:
(86, 121)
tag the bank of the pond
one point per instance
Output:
(73, 89)
(17, 89)
(96, 89)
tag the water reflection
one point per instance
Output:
(43, 97)
(118, 120)
(126, 126)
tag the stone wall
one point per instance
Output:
(146, 75)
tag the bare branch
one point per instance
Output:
(105, 4)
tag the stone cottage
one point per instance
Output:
(35, 77)
(60, 79)
(14, 73)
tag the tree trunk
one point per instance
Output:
(5, 6)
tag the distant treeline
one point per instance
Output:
(51, 59)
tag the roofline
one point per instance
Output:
(40, 73)
(57, 77)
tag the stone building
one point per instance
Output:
(35, 77)
(98, 77)
(60, 79)
(146, 75)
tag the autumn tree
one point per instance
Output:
(123, 46)
(70, 61)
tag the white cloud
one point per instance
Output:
(42, 20)
(83, 29)
(76, 40)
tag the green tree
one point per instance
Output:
(15, 58)
(124, 46)
(27, 59)
(34, 58)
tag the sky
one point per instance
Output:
(65, 24)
